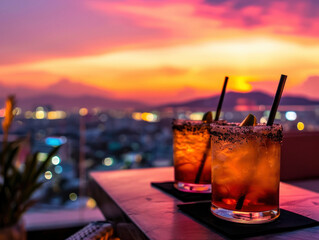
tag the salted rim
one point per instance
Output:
(235, 125)
(187, 121)
(227, 129)
(178, 122)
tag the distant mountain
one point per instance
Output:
(233, 99)
(64, 87)
(65, 95)
(66, 103)
(293, 100)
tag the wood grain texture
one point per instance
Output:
(157, 216)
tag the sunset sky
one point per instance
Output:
(158, 51)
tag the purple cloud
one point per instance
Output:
(272, 12)
(37, 29)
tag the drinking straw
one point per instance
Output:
(221, 99)
(270, 122)
(202, 164)
(219, 107)
(275, 104)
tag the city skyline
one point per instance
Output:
(161, 51)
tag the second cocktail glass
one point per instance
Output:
(246, 172)
(192, 156)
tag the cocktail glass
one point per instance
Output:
(192, 156)
(246, 172)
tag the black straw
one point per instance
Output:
(221, 99)
(202, 163)
(270, 122)
(275, 104)
(208, 146)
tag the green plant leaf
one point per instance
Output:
(30, 190)
(30, 167)
(9, 156)
(45, 163)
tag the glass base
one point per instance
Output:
(245, 217)
(192, 187)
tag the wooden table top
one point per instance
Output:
(156, 214)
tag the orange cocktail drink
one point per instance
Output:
(192, 156)
(246, 172)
